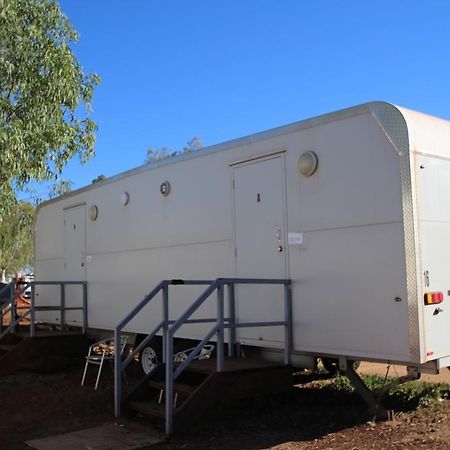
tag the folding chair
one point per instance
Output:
(100, 352)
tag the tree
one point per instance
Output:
(193, 144)
(16, 238)
(61, 187)
(99, 178)
(44, 96)
(159, 154)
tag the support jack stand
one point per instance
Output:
(371, 398)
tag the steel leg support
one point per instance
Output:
(375, 407)
(232, 316)
(117, 374)
(220, 316)
(169, 383)
(165, 314)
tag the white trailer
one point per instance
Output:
(352, 206)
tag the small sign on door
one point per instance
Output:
(295, 238)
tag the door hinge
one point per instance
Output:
(235, 252)
(234, 185)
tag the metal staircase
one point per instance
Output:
(19, 313)
(21, 339)
(178, 389)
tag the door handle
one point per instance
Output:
(280, 248)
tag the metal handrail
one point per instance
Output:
(170, 327)
(120, 365)
(218, 329)
(163, 285)
(133, 313)
(31, 310)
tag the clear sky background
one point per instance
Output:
(172, 69)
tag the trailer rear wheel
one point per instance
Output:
(150, 357)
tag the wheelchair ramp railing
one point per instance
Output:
(221, 322)
(19, 313)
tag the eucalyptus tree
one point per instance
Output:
(45, 97)
(16, 239)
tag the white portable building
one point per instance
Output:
(352, 206)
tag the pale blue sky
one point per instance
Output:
(224, 69)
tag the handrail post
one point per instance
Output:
(165, 307)
(33, 311)
(232, 316)
(117, 373)
(12, 289)
(288, 323)
(85, 306)
(62, 287)
(169, 383)
(220, 308)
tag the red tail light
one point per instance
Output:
(433, 298)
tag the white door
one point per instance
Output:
(259, 198)
(74, 258)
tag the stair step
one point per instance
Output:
(177, 387)
(148, 407)
(198, 368)
(6, 348)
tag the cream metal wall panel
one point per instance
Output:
(351, 266)
(430, 136)
(51, 227)
(433, 183)
(345, 302)
(151, 220)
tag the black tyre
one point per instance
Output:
(150, 356)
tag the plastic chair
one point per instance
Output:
(100, 352)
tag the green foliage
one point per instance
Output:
(159, 154)
(418, 393)
(193, 144)
(16, 238)
(99, 178)
(61, 187)
(44, 95)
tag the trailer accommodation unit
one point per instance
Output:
(352, 206)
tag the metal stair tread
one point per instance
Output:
(177, 387)
(197, 368)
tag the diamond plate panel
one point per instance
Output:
(394, 126)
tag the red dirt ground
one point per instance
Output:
(39, 405)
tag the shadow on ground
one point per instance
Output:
(308, 413)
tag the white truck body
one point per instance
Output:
(363, 239)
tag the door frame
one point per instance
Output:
(255, 160)
(82, 207)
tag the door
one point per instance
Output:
(74, 244)
(259, 199)
(74, 258)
